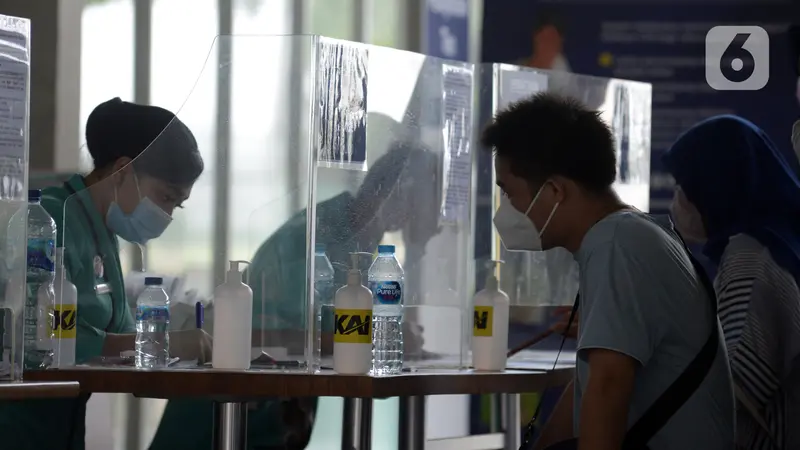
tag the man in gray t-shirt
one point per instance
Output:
(640, 297)
(644, 314)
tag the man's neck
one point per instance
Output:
(593, 213)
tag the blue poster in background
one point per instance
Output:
(446, 29)
(654, 41)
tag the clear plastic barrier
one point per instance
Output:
(14, 143)
(372, 146)
(406, 181)
(537, 280)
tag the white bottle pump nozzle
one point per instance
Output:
(234, 274)
(491, 274)
(354, 274)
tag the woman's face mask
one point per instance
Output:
(147, 220)
(688, 220)
(517, 230)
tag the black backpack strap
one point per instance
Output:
(527, 435)
(679, 392)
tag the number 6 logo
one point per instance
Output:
(737, 58)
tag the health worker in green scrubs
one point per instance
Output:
(130, 194)
(396, 194)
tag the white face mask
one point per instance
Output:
(516, 230)
(688, 220)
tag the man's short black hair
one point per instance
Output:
(549, 134)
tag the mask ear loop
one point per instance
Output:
(550, 217)
(535, 197)
(136, 180)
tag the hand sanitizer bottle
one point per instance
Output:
(65, 315)
(352, 335)
(490, 325)
(233, 322)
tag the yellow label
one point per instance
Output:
(64, 320)
(482, 321)
(353, 326)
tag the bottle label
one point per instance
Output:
(41, 254)
(386, 292)
(145, 313)
(482, 321)
(353, 326)
(64, 321)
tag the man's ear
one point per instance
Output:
(562, 187)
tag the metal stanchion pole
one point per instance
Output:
(511, 425)
(412, 423)
(357, 424)
(230, 426)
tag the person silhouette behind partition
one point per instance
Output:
(397, 194)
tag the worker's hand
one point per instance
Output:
(560, 326)
(189, 345)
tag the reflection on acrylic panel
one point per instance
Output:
(416, 189)
(551, 277)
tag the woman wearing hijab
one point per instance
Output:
(738, 196)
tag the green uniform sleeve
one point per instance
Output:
(277, 276)
(128, 324)
(278, 285)
(90, 340)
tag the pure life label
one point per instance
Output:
(386, 292)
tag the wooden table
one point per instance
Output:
(26, 389)
(231, 390)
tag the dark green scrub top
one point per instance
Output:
(51, 424)
(280, 266)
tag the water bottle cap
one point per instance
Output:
(34, 195)
(319, 248)
(386, 249)
(153, 281)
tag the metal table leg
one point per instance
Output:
(412, 423)
(230, 426)
(357, 424)
(511, 424)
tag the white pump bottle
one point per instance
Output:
(65, 315)
(233, 322)
(490, 325)
(352, 335)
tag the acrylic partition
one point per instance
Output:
(14, 143)
(394, 166)
(322, 142)
(538, 282)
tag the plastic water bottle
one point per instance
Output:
(324, 290)
(152, 323)
(386, 280)
(39, 295)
